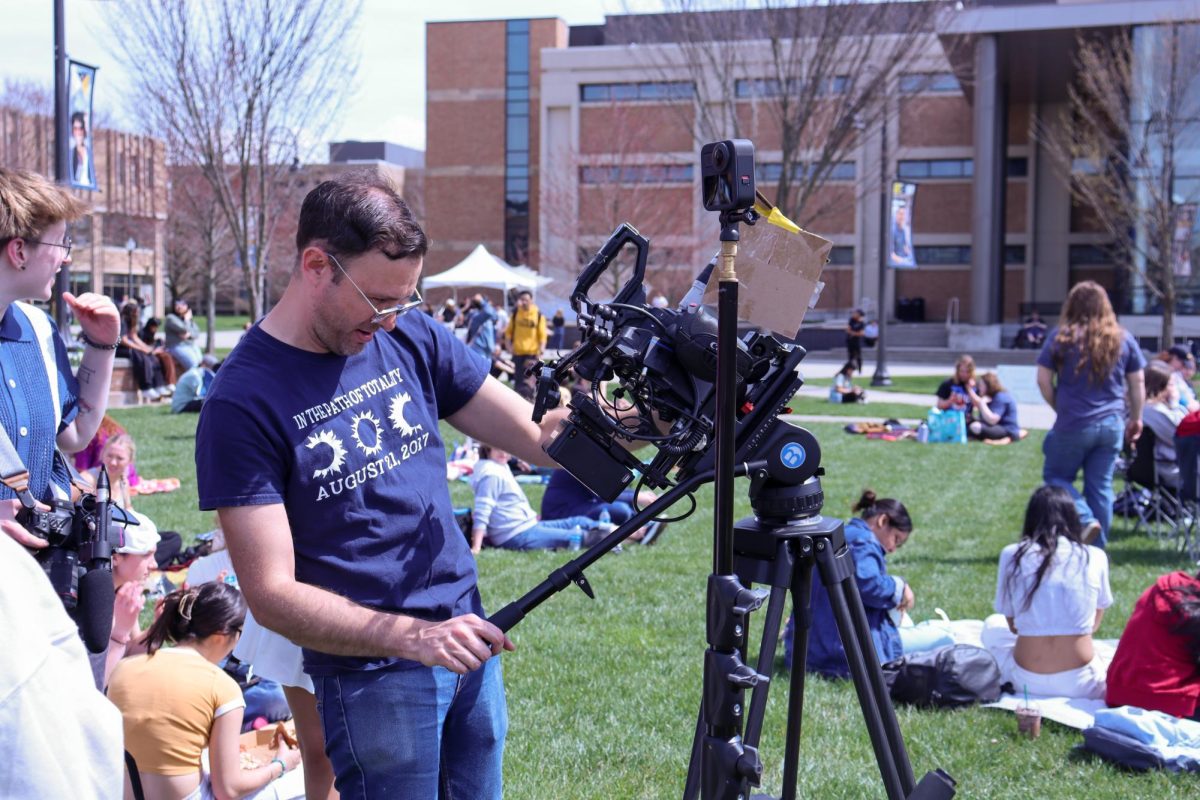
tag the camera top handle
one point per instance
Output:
(623, 235)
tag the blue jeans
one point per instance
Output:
(415, 733)
(186, 354)
(549, 534)
(1094, 449)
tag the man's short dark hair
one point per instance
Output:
(524, 293)
(358, 212)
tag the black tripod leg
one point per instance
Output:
(766, 661)
(837, 575)
(802, 608)
(691, 787)
(858, 615)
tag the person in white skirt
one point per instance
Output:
(274, 657)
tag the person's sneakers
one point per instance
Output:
(653, 531)
(1090, 532)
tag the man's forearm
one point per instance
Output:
(321, 620)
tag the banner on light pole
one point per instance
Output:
(1181, 259)
(80, 135)
(900, 253)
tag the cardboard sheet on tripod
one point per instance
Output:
(779, 269)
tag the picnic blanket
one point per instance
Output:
(154, 486)
(889, 430)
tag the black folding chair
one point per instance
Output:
(1161, 511)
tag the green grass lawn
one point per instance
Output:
(801, 404)
(603, 694)
(231, 322)
(914, 384)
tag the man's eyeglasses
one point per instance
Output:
(380, 313)
(66, 244)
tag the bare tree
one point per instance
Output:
(818, 74)
(199, 250)
(1133, 112)
(589, 194)
(243, 91)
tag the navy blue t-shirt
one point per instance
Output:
(350, 446)
(1005, 406)
(1078, 400)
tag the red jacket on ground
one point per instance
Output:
(1154, 667)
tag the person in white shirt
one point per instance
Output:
(1051, 593)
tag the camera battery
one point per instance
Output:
(590, 464)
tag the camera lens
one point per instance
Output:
(720, 156)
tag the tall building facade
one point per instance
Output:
(542, 137)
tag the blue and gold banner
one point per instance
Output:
(900, 210)
(81, 83)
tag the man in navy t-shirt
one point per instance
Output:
(318, 445)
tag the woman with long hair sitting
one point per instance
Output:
(1157, 665)
(1051, 592)
(176, 701)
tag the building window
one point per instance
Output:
(913, 82)
(516, 141)
(648, 90)
(943, 254)
(771, 171)
(1088, 254)
(637, 173)
(754, 88)
(1018, 167)
(1014, 254)
(938, 168)
(841, 255)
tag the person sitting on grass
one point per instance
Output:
(1051, 592)
(1162, 414)
(132, 563)
(1157, 664)
(176, 702)
(883, 527)
(565, 496)
(193, 386)
(503, 516)
(997, 423)
(843, 389)
(954, 393)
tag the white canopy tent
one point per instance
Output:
(481, 268)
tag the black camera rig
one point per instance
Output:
(665, 361)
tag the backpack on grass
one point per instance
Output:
(947, 677)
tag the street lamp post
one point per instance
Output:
(130, 246)
(881, 376)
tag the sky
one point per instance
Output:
(387, 103)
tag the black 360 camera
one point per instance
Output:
(727, 175)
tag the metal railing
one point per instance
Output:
(951, 312)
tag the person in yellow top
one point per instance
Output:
(176, 701)
(526, 338)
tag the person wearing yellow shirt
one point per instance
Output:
(526, 337)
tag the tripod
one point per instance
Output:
(779, 548)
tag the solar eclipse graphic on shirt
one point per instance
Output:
(337, 452)
(396, 415)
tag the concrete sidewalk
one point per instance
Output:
(1038, 416)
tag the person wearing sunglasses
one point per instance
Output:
(43, 404)
(319, 447)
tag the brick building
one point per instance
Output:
(130, 206)
(542, 136)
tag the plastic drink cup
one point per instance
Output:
(1029, 722)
